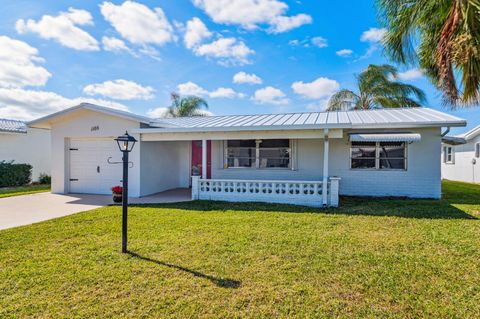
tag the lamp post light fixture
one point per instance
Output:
(125, 144)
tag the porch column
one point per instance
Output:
(204, 159)
(325, 168)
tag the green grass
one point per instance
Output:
(23, 190)
(368, 258)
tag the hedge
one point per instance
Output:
(14, 174)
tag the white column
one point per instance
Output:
(334, 183)
(326, 150)
(195, 187)
(204, 159)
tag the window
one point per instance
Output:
(448, 156)
(378, 155)
(274, 153)
(477, 150)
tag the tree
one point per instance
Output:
(187, 106)
(377, 88)
(440, 36)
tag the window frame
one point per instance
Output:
(445, 155)
(377, 167)
(292, 159)
(477, 150)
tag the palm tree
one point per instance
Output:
(187, 106)
(377, 88)
(442, 37)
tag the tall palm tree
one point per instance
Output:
(377, 88)
(442, 37)
(186, 106)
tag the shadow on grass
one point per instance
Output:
(407, 208)
(220, 282)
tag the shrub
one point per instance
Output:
(14, 174)
(45, 179)
(117, 189)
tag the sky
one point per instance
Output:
(242, 56)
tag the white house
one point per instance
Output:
(461, 157)
(298, 158)
(23, 144)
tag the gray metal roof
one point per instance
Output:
(386, 137)
(12, 126)
(383, 118)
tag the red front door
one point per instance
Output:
(197, 158)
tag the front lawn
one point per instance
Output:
(23, 190)
(368, 258)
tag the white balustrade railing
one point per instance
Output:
(309, 193)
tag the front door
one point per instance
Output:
(197, 158)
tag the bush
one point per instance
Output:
(45, 179)
(14, 174)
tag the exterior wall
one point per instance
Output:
(164, 166)
(83, 124)
(32, 148)
(422, 178)
(463, 169)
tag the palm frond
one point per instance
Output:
(343, 100)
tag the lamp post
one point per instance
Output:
(125, 144)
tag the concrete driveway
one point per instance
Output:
(28, 209)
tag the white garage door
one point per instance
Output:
(89, 171)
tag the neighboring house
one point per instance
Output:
(461, 157)
(298, 158)
(23, 144)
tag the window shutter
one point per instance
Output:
(477, 150)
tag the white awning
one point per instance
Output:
(386, 137)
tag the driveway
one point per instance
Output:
(28, 209)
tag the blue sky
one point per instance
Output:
(289, 56)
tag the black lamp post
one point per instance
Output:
(125, 143)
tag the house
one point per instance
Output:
(461, 157)
(298, 158)
(23, 144)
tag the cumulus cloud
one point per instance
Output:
(26, 105)
(227, 51)
(196, 32)
(191, 88)
(138, 23)
(320, 88)
(242, 77)
(249, 14)
(62, 28)
(373, 35)
(120, 90)
(270, 95)
(113, 44)
(344, 53)
(19, 64)
(226, 93)
(320, 42)
(409, 75)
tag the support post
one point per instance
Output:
(334, 186)
(195, 187)
(124, 202)
(326, 150)
(204, 159)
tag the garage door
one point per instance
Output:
(89, 171)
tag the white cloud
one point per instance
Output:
(28, 104)
(344, 53)
(19, 64)
(62, 28)
(320, 42)
(113, 44)
(270, 95)
(120, 90)
(228, 51)
(190, 88)
(226, 93)
(411, 74)
(320, 88)
(196, 32)
(159, 112)
(251, 13)
(373, 35)
(137, 23)
(242, 77)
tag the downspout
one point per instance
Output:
(446, 132)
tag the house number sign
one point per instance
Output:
(94, 128)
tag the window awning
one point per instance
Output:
(386, 137)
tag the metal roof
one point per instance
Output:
(382, 118)
(470, 134)
(386, 137)
(12, 126)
